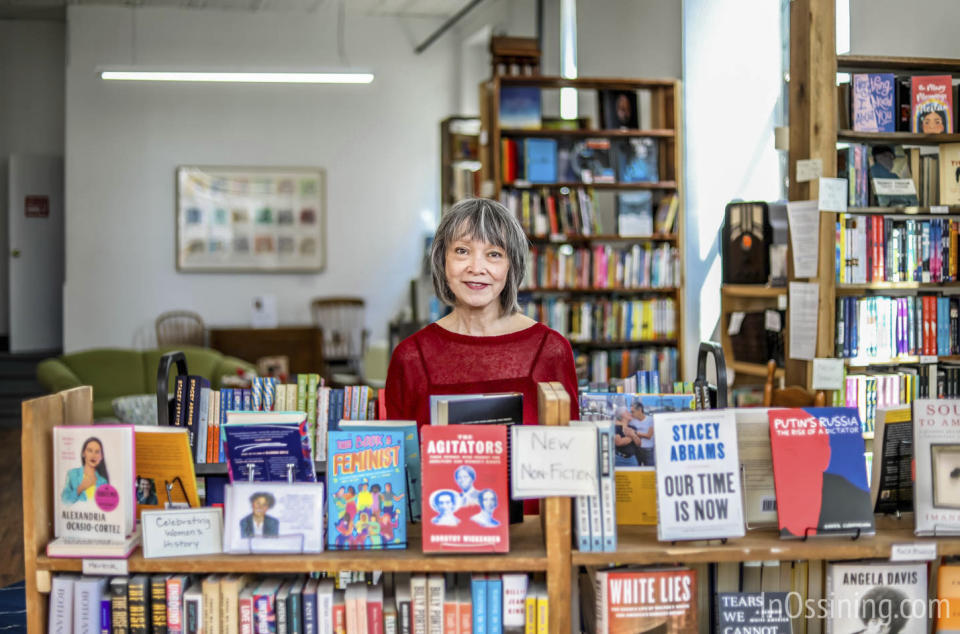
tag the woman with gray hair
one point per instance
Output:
(485, 344)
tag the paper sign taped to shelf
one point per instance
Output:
(804, 221)
(923, 551)
(771, 320)
(833, 194)
(804, 302)
(105, 567)
(736, 321)
(809, 170)
(182, 533)
(782, 302)
(939, 209)
(828, 374)
(927, 358)
(553, 461)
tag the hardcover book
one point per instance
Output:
(936, 451)
(637, 160)
(698, 475)
(866, 594)
(637, 600)
(520, 107)
(819, 472)
(476, 408)
(465, 494)
(635, 213)
(93, 483)
(591, 161)
(766, 612)
(932, 99)
(874, 102)
(366, 490)
(165, 474)
(618, 109)
(891, 487)
(271, 452)
(540, 160)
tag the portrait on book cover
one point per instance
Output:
(945, 472)
(273, 517)
(83, 481)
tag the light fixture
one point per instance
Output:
(238, 77)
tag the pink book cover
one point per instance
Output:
(932, 99)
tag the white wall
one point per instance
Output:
(379, 144)
(925, 29)
(31, 111)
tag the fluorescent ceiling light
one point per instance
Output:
(255, 78)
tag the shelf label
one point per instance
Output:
(736, 321)
(105, 567)
(922, 551)
(809, 170)
(182, 533)
(782, 302)
(926, 358)
(553, 461)
(827, 374)
(939, 209)
(833, 194)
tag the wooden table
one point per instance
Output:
(302, 345)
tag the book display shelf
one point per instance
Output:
(590, 303)
(459, 159)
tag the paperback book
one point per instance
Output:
(465, 494)
(165, 477)
(874, 96)
(820, 472)
(637, 600)
(936, 451)
(366, 490)
(766, 612)
(864, 593)
(269, 452)
(932, 98)
(891, 486)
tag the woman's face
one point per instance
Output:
(92, 454)
(445, 504)
(476, 272)
(464, 480)
(260, 507)
(931, 123)
(488, 502)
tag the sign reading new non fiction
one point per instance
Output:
(553, 461)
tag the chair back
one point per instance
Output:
(793, 396)
(344, 335)
(180, 327)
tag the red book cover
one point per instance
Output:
(381, 404)
(932, 98)
(339, 618)
(881, 250)
(375, 610)
(630, 601)
(465, 497)
(449, 613)
(928, 326)
(552, 214)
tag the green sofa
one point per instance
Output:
(115, 372)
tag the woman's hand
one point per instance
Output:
(89, 478)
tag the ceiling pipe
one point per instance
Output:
(446, 25)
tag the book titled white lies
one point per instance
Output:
(699, 494)
(93, 494)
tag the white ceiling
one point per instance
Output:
(408, 8)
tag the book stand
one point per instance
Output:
(806, 534)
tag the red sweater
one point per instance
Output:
(437, 361)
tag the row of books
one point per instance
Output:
(885, 102)
(299, 604)
(887, 249)
(892, 175)
(603, 266)
(540, 161)
(605, 319)
(881, 327)
(519, 109)
(603, 366)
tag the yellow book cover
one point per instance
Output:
(842, 241)
(164, 469)
(543, 612)
(531, 614)
(948, 593)
(636, 494)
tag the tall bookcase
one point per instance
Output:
(661, 98)
(459, 159)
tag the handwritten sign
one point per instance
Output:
(827, 374)
(182, 533)
(833, 194)
(105, 567)
(553, 461)
(809, 169)
(921, 551)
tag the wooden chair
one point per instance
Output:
(180, 327)
(793, 396)
(344, 334)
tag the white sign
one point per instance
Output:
(263, 311)
(698, 475)
(548, 461)
(927, 358)
(182, 533)
(827, 374)
(939, 209)
(894, 186)
(809, 169)
(736, 321)
(804, 301)
(925, 551)
(833, 194)
(771, 320)
(105, 567)
(804, 219)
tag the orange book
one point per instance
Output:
(948, 591)
(450, 613)
(464, 610)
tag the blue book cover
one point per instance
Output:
(494, 605)
(106, 623)
(540, 160)
(247, 399)
(366, 490)
(637, 160)
(478, 596)
(310, 607)
(411, 455)
(520, 107)
(271, 450)
(873, 106)
(237, 400)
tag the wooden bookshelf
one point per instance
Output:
(754, 369)
(459, 153)
(859, 289)
(663, 126)
(629, 343)
(950, 210)
(898, 138)
(914, 65)
(749, 298)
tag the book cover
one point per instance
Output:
(273, 517)
(87, 592)
(890, 178)
(138, 605)
(891, 486)
(820, 472)
(634, 462)
(119, 616)
(932, 99)
(633, 600)
(366, 490)
(592, 162)
(618, 109)
(274, 452)
(93, 482)
(637, 160)
(756, 467)
(60, 613)
(465, 495)
(698, 475)
(766, 612)
(520, 107)
(540, 160)
(165, 475)
(873, 107)
(635, 213)
(936, 451)
(948, 594)
(950, 174)
(866, 595)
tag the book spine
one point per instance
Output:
(190, 420)
(158, 604)
(105, 615)
(607, 501)
(375, 617)
(245, 614)
(178, 391)
(86, 615)
(530, 614)
(478, 592)
(435, 599)
(175, 604)
(543, 614)
(138, 609)
(494, 605)
(193, 613)
(119, 615)
(418, 604)
(309, 602)
(582, 526)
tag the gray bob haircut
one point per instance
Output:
(489, 221)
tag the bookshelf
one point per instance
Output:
(659, 121)
(748, 298)
(459, 159)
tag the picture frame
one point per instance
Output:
(291, 517)
(235, 219)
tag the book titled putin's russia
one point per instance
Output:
(820, 472)
(465, 497)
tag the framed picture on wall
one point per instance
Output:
(250, 219)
